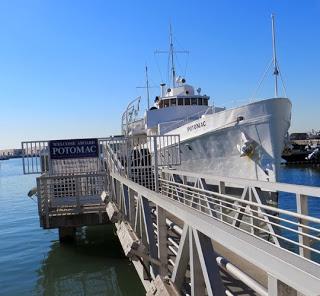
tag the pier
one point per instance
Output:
(185, 233)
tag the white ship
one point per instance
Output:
(244, 142)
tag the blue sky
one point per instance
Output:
(68, 68)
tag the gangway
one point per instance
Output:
(193, 234)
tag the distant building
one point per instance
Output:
(299, 136)
(11, 152)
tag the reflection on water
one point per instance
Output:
(94, 265)
(33, 262)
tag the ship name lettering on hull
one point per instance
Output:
(196, 126)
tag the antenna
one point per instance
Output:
(275, 62)
(147, 86)
(171, 53)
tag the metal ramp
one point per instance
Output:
(186, 233)
(188, 248)
(209, 235)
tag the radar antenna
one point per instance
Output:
(147, 86)
(171, 53)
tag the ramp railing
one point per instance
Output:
(139, 157)
(70, 195)
(297, 229)
(34, 157)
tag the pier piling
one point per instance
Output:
(67, 234)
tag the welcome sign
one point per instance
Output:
(75, 148)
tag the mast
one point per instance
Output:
(171, 52)
(275, 62)
(147, 86)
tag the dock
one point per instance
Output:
(185, 233)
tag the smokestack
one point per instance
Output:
(162, 88)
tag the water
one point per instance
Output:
(34, 263)
(302, 175)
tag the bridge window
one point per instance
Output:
(187, 101)
(205, 102)
(180, 102)
(173, 102)
(166, 103)
(194, 101)
(200, 101)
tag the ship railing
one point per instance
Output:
(293, 225)
(130, 115)
(70, 195)
(135, 127)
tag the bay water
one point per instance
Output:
(33, 262)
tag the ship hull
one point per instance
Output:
(212, 143)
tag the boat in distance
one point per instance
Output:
(242, 142)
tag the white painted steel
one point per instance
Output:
(284, 265)
(271, 186)
(300, 229)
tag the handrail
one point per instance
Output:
(271, 186)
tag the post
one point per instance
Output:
(162, 241)
(77, 193)
(46, 193)
(302, 208)
(222, 190)
(156, 173)
(67, 234)
(23, 158)
(278, 288)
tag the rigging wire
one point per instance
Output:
(187, 64)
(282, 81)
(187, 59)
(262, 79)
(158, 66)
